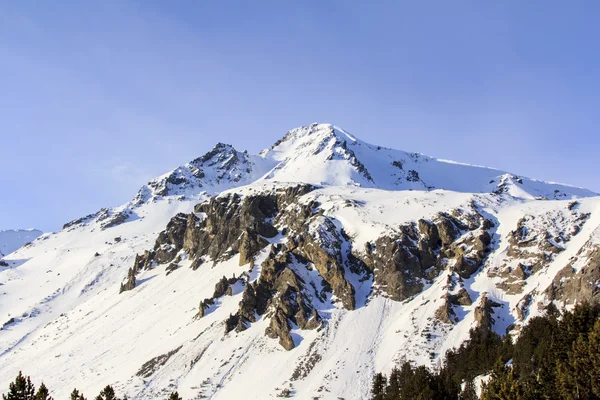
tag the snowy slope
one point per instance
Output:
(67, 324)
(339, 158)
(11, 240)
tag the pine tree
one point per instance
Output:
(75, 395)
(503, 384)
(175, 396)
(579, 376)
(108, 393)
(43, 393)
(378, 387)
(468, 392)
(20, 389)
(392, 390)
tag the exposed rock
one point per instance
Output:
(572, 285)
(115, 219)
(445, 313)
(251, 244)
(130, 283)
(222, 288)
(461, 298)
(172, 267)
(483, 312)
(280, 328)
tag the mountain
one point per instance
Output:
(11, 240)
(299, 271)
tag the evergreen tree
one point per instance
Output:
(20, 389)
(578, 376)
(75, 395)
(392, 390)
(503, 384)
(175, 396)
(468, 392)
(378, 386)
(43, 393)
(108, 393)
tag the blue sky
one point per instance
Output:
(97, 97)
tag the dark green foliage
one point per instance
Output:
(20, 389)
(556, 357)
(108, 393)
(468, 392)
(75, 395)
(23, 389)
(378, 386)
(578, 377)
(175, 396)
(477, 356)
(408, 383)
(503, 384)
(43, 393)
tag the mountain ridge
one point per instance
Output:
(286, 161)
(293, 272)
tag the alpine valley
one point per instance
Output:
(301, 271)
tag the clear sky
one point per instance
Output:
(97, 97)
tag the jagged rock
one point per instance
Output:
(445, 313)
(130, 283)
(197, 263)
(461, 298)
(280, 328)
(523, 305)
(231, 323)
(571, 286)
(251, 244)
(144, 261)
(328, 263)
(170, 241)
(115, 219)
(396, 264)
(172, 267)
(447, 230)
(221, 288)
(248, 304)
(483, 312)
(204, 304)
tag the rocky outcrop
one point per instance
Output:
(222, 288)
(130, 282)
(461, 298)
(320, 242)
(400, 263)
(445, 313)
(279, 294)
(579, 281)
(115, 219)
(420, 251)
(484, 311)
(535, 243)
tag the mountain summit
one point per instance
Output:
(299, 271)
(326, 155)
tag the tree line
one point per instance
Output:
(23, 389)
(556, 357)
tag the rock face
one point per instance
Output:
(579, 280)
(484, 311)
(535, 243)
(400, 264)
(130, 283)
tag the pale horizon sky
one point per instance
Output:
(100, 96)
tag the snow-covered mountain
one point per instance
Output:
(302, 270)
(12, 239)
